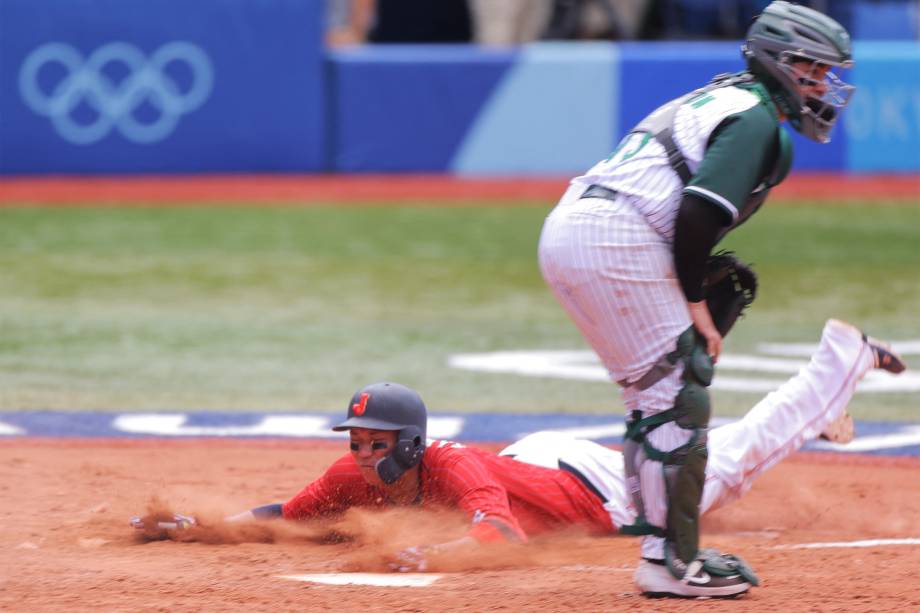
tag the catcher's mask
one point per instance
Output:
(800, 55)
(391, 406)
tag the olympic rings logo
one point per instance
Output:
(115, 104)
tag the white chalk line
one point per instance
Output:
(9, 430)
(371, 579)
(415, 579)
(847, 544)
(754, 371)
(592, 568)
(302, 426)
(428, 579)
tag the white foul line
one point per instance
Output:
(9, 430)
(374, 579)
(584, 366)
(174, 424)
(869, 543)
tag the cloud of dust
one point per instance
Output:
(371, 537)
(212, 529)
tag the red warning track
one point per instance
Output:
(385, 189)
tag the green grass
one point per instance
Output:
(294, 308)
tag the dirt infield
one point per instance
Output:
(416, 189)
(66, 543)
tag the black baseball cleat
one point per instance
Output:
(885, 357)
(655, 581)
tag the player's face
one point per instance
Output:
(368, 447)
(812, 77)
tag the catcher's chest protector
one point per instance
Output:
(660, 124)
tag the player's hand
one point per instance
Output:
(176, 522)
(409, 560)
(702, 321)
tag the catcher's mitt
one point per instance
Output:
(730, 287)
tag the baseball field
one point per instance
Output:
(282, 297)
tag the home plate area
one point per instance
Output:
(822, 531)
(371, 579)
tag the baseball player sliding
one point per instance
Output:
(549, 481)
(627, 252)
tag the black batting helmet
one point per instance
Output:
(391, 406)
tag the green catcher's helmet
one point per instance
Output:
(789, 48)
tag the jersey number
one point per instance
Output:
(630, 142)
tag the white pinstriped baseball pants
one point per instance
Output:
(741, 451)
(614, 275)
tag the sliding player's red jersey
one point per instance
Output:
(504, 498)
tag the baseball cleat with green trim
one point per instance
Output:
(655, 581)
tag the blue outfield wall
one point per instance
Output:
(557, 108)
(472, 110)
(408, 108)
(883, 121)
(165, 86)
(113, 86)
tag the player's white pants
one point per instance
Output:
(739, 452)
(799, 411)
(615, 276)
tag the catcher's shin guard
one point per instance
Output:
(684, 468)
(685, 475)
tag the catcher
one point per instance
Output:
(625, 253)
(548, 481)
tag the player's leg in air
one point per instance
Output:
(806, 407)
(810, 405)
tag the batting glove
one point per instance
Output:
(179, 522)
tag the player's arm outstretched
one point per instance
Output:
(266, 511)
(458, 479)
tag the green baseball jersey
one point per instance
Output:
(734, 148)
